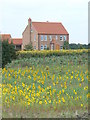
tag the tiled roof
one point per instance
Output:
(5, 36)
(49, 28)
(16, 41)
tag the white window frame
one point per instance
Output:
(61, 47)
(41, 37)
(45, 46)
(56, 37)
(60, 37)
(50, 37)
(34, 37)
(45, 37)
(42, 47)
(64, 37)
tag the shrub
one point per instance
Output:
(66, 45)
(48, 53)
(8, 52)
(28, 47)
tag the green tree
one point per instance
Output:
(8, 52)
(66, 45)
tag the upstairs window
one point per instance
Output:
(41, 37)
(50, 37)
(34, 37)
(45, 37)
(64, 38)
(61, 37)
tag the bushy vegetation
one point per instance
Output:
(66, 45)
(28, 47)
(79, 46)
(8, 52)
(48, 53)
(40, 87)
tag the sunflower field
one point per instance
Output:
(55, 86)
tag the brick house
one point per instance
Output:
(44, 35)
(16, 41)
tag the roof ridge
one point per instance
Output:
(47, 22)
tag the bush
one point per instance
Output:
(8, 52)
(66, 45)
(28, 47)
(48, 53)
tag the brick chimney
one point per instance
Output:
(30, 25)
(29, 21)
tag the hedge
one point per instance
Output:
(48, 53)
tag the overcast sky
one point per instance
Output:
(73, 14)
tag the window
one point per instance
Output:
(42, 47)
(41, 37)
(61, 37)
(50, 37)
(34, 37)
(61, 47)
(64, 38)
(56, 37)
(34, 47)
(45, 47)
(45, 37)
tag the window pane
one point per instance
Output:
(64, 38)
(42, 37)
(34, 37)
(45, 47)
(56, 37)
(61, 38)
(50, 37)
(61, 47)
(45, 37)
(42, 47)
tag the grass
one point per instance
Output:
(46, 87)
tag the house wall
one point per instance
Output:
(30, 32)
(28, 36)
(58, 41)
(34, 41)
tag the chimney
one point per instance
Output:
(30, 25)
(29, 21)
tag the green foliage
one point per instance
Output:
(48, 53)
(8, 52)
(78, 46)
(28, 47)
(66, 45)
(0, 54)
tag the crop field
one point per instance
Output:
(55, 86)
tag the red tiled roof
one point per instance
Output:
(49, 28)
(16, 41)
(5, 36)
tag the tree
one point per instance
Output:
(66, 45)
(8, 52)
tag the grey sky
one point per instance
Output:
(73, 14)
